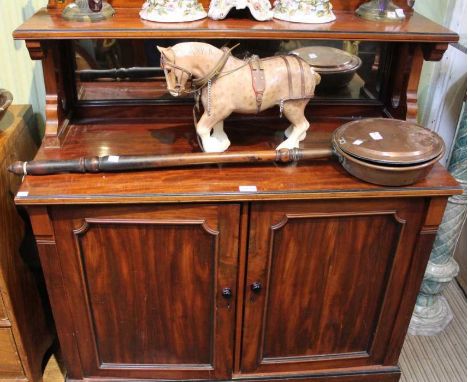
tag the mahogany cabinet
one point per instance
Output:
(257, 289)
(180, 274)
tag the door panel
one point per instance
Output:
(10, 364)
(149, 280)
(144, 306)
(326, 269)
(3, 315)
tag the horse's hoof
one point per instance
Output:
(224, 145)
(288, 145)
(223, 141)
(212, 145)
(289, 130)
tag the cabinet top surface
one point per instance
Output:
(49, 25)
(308, 180)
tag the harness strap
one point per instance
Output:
(197, 83)
(288, 68)
(258, 80)
(201, 82)
(299, 62)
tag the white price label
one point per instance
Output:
(248, 188)
(391, 15)
(376, 136)
(358, 142)
(113, 158)
(22, 194)
(400, 13)
(312, 55)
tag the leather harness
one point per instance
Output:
(259, 81)
(256, 69)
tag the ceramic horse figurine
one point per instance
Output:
(227, 84)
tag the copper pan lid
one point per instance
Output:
(327, 59)
(388, 141)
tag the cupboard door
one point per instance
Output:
(151, 289)
(324, 281)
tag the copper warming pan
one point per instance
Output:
(387, 152)
(335, 66)
(382, 151)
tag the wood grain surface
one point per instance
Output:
(10, 364)
(326, 270)
(49, 25)
(338, 4)
(311, 276)
(314, 179)
(147, 287)
(26, 330)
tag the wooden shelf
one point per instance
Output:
(312, 180)
(49, 25)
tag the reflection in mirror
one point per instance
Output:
(126, 70)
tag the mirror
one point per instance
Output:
(129, 70)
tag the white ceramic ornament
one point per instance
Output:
(260, 9)
(304, 11)
(172, 11)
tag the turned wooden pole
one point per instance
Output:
(112, 163)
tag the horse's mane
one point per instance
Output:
(195, 48)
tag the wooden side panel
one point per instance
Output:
(422, 250)
(10, 365)
(402, 95)
(149, 282)
(3, 315)
(61, 308)
(21, 285)
(329, 272)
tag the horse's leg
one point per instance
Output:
(204, 127)
(294, 112)
(220, 135)
(289, 131)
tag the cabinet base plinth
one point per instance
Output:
(379, 376)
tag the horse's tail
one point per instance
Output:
(316, 76)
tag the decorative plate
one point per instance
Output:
(260, 9)
(172, 11)
(304, 11)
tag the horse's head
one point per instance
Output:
(178, 78)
